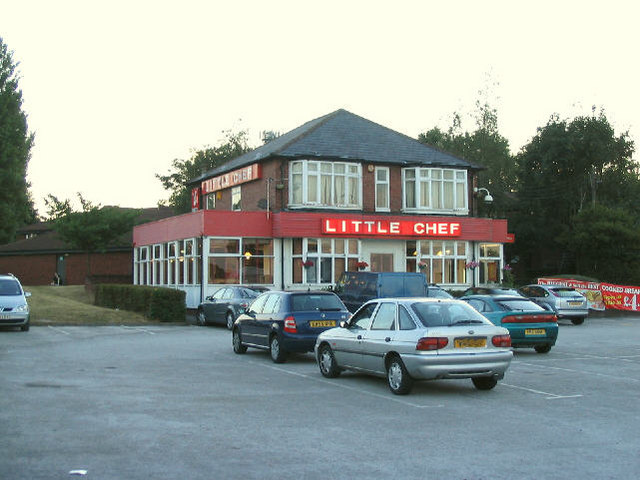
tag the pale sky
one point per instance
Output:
(115, 90)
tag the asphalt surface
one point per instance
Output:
(174, 402)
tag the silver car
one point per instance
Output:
(565, 302)
(14, 310)
(407, 339)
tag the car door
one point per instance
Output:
(211, 306)
(347, 341)
(265, 319)
(249, 322)
(380, 337)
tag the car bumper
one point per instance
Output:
(431, 367)
(300, 344)
(14, 319)
(528, 335)
(572, 313)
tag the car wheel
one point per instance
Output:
(484, 383)
(543, 348)
(25, 328)
(238, 347)
(278, 355)
(201, 318)
(230, 320)
(398, 378)
(577, 321)
(327, 362)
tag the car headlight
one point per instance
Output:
(21, 308)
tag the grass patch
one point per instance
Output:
(73, 305)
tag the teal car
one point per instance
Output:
(529, 325)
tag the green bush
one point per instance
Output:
(164, 304)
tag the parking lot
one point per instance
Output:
(176, 402)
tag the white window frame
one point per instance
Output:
(236, 192)
(382, 208)
(320, 169)
(433, 177)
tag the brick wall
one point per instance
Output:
(39, 269)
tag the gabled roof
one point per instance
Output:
(342, 135)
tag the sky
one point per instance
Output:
(116, 90)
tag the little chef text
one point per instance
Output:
(338, 226)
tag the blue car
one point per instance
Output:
(530, 325)
(284, 322)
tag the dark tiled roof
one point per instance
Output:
(49, 241)
(341, 135)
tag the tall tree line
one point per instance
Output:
(570, 194)
(16, 205)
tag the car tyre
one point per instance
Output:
(327, 362)
(25, 328)
(543, 348)
(577, 321)
(230, 320)
(484, 383)
(201, 318)
(278, 355)
(399, 380)
(238, 347)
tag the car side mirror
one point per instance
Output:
(344, 324)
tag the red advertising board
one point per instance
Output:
(601, 295)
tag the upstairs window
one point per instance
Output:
(325, 184)
(438, 190)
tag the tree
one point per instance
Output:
(16, 204)
(606, 244)
(234, 145)
(91, 230)
(567, 167)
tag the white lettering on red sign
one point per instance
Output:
(390, 228)
(242, 175)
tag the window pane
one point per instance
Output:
(448, 195)
(339, 266)
(325, 270)
(296, 188)
(224, 245)
(326, 245)
(353, 246)
(257, 246)
(382, 199)
(339, 245)
(297, 246)
(224, 270)
(312, 245)
(312, 189)
(340, 192)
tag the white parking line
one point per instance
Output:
(550, 396)
(347, 387)
(584, 372)
(139, 329)
(58, 330)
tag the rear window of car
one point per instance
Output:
(564, 292)
(309, 301)
(517, 305)
(9, 286)
(445, 314)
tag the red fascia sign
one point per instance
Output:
(195, 199)
(231, 179)
(390, 228)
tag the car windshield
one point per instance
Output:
(564, 292)
(9, 287)
(309, 301)
(446, 314)
(518, 305)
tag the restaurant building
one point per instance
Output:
(337, 193)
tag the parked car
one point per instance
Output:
(284, 322)
(224, 306)
(491, 291)
(530, 325)
(565, 302)
(14, 309)
(407, 339)
(356, 288)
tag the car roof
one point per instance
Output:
(496, 297)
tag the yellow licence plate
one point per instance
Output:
(535, 331)
(322, 323)
(470, 342)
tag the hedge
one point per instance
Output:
(156, 303)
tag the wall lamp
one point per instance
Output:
(487, 196)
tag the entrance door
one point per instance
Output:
(381, 262)
(60, 269)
